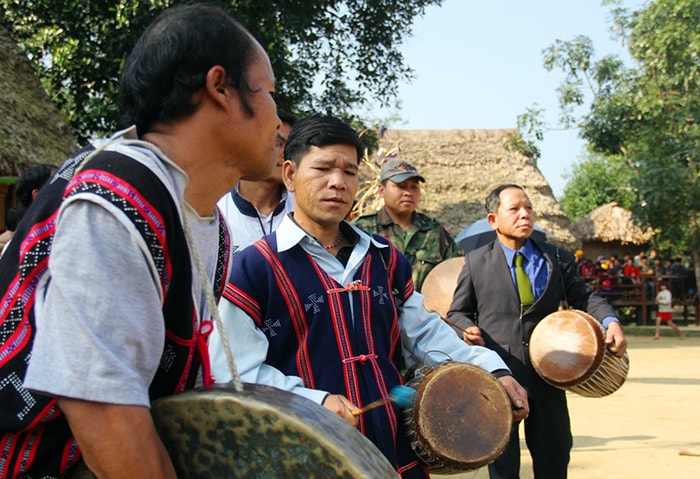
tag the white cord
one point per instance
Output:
(211, 303)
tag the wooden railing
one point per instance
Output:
(641, 294)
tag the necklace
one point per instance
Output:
(337, 242)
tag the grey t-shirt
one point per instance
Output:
(99, 324)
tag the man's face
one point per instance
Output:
(401, 198)
(256, 135)
(282, 136)
(324, 185)
(515, 219)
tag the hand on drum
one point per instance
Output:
(472, 336)
(615, 339)
(341, 406)
(518, 397)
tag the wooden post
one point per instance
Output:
(643, 284)
(4, 190)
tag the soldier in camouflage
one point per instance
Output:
(423, 240)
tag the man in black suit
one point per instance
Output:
(487, 304)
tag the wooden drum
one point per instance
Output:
(261, 432)
(461, 418)
(567, 349)
(440, 284)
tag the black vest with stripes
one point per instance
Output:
(35, 440)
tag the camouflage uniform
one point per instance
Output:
(425, 244)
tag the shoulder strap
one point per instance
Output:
(561, 276)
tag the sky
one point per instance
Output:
(478, 64)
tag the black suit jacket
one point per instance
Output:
(487, 297)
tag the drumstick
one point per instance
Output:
(403, 396)
(455, 325)
(684, 452)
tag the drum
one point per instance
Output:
(261, 432)
(461, 418)
(440, 284)
(567, 349)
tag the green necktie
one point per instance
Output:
(524, 285)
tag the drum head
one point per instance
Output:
(462, 416)
(440, 284)
(567, 347)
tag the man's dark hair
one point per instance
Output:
(493, 200)
(287, 117)
(32, 179)
(320, 130)
(170, 61)
(14, 216)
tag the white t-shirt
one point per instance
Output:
(664, 300)
(245, 223)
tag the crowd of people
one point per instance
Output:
(211, 206)
(641, 268)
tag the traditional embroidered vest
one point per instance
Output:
(335, 341)
(35, 440)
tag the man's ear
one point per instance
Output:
(216, 87)
(380, 190)
(289, 169)
(491, 218)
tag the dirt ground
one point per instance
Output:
(637, 431)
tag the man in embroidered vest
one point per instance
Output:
(505, 288)
(103, 289)
(421, 239)
(325, 310)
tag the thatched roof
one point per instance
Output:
(611, 222)
(462, 166)
(31, 129)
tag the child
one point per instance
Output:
(663, 299)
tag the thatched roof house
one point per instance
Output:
(462, 166)
(31, 129)
(610, 229)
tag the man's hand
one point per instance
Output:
(615, 339)
(117, 441)
(472, 336)
(342, 407)
(518, 397)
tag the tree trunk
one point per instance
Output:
(696, 268)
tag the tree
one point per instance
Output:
(328, 55)
(649, 114)
(595, 181)
(530, 131)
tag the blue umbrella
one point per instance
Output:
(480, 233)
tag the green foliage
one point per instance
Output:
(583, 75)
(648, 114)
(8, 180)
(328, 55)
(530, 131)
(595, 181)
